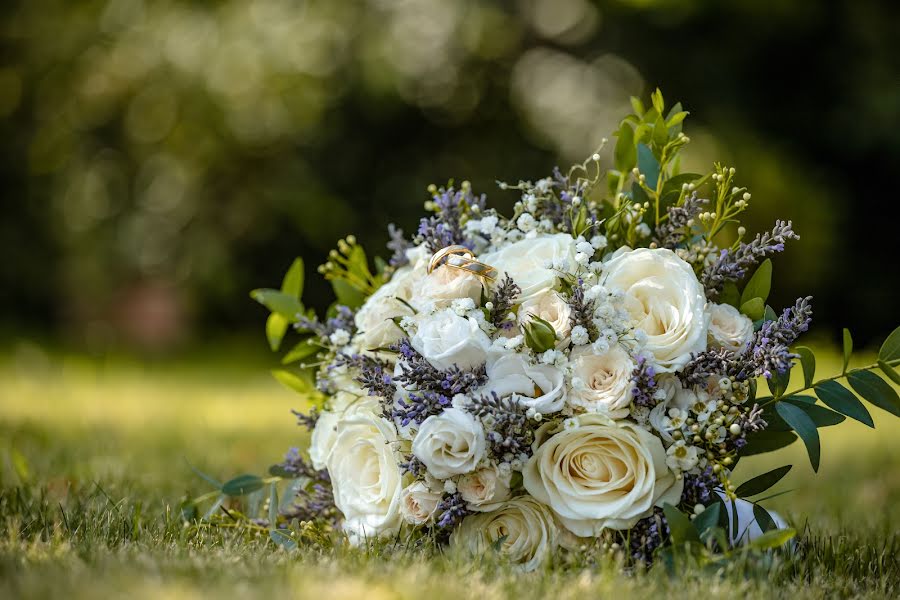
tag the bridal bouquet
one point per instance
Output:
(583, 371)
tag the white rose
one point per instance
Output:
(541, 387)
(451, 443)
(324, 434)
(728, 328)
(446, 339)
(527, 262)
(483, 488)
(374, 320)
(601, 383)
(600, 474)
(418, 503)
(443, 285)
(551, 307)
(523, 527)
(365, 476)
(666, 301)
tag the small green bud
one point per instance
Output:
(539, 335)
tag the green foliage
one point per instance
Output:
(292, 285)
(876, 390)
(761, 483)
(808, 363)
(242, 485)
(759, 285)
(843, 401)
(754, 309)
(890, 349)
(848, 348)
(800, 421)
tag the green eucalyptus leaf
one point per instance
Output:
(820, 415)
(808, 362)
(303, 350)
(273, 504)
(660, 133)
(761, 483)
(754, 308)
(848, 348)
(763, 518)
(760, 283)
(767, 441)
(625, 154)
(658, 103)
(773, 539)
(876, 390)
(888, 370)
(680, 526)
(283, 539)
(890, 349)
(242, 485)
(648, 165)
(293, 280)
(276, 327)
(805, 427)
(839, 398)
(293, 381)
(730, 295)
(347, 294)
(778, 383)
(708, 519)
(278, 302)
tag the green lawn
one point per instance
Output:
(94, 465)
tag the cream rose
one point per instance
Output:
(365, 476)
(551, 307)
(601, 475)
(601, 383)
(483, 489)
(324, 434)
(527, 262)
(446, 339)
(541, 387)
(666, 301)
(728, 328)
(374, 320)
(443, 285)
(451, 443)
(418, 503)
(523, 527)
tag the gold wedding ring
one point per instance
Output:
(460, 257)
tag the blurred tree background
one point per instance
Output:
(161, 158)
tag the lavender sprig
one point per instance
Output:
(502, 301)
(671, 233)
(342, 319)
(308, 420)
(506, 422)
(647, 536)
(450, 511)
(398, 245)
(373, 374)
(582, 310)
(446, 227)
(644, 385)
(733, 266)
(769, 351)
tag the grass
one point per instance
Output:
(95, 464)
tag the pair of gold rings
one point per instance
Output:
(460, 257)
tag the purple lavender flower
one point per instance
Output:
(647, 536)
(398, 245)
(342, 319)
(506, 422)
(671, 233)
(373, 374)
(733, 266)
(445, 228)
(644, 385)
(451, 510)
(502, 300)
(308, 420)
(582, 310)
